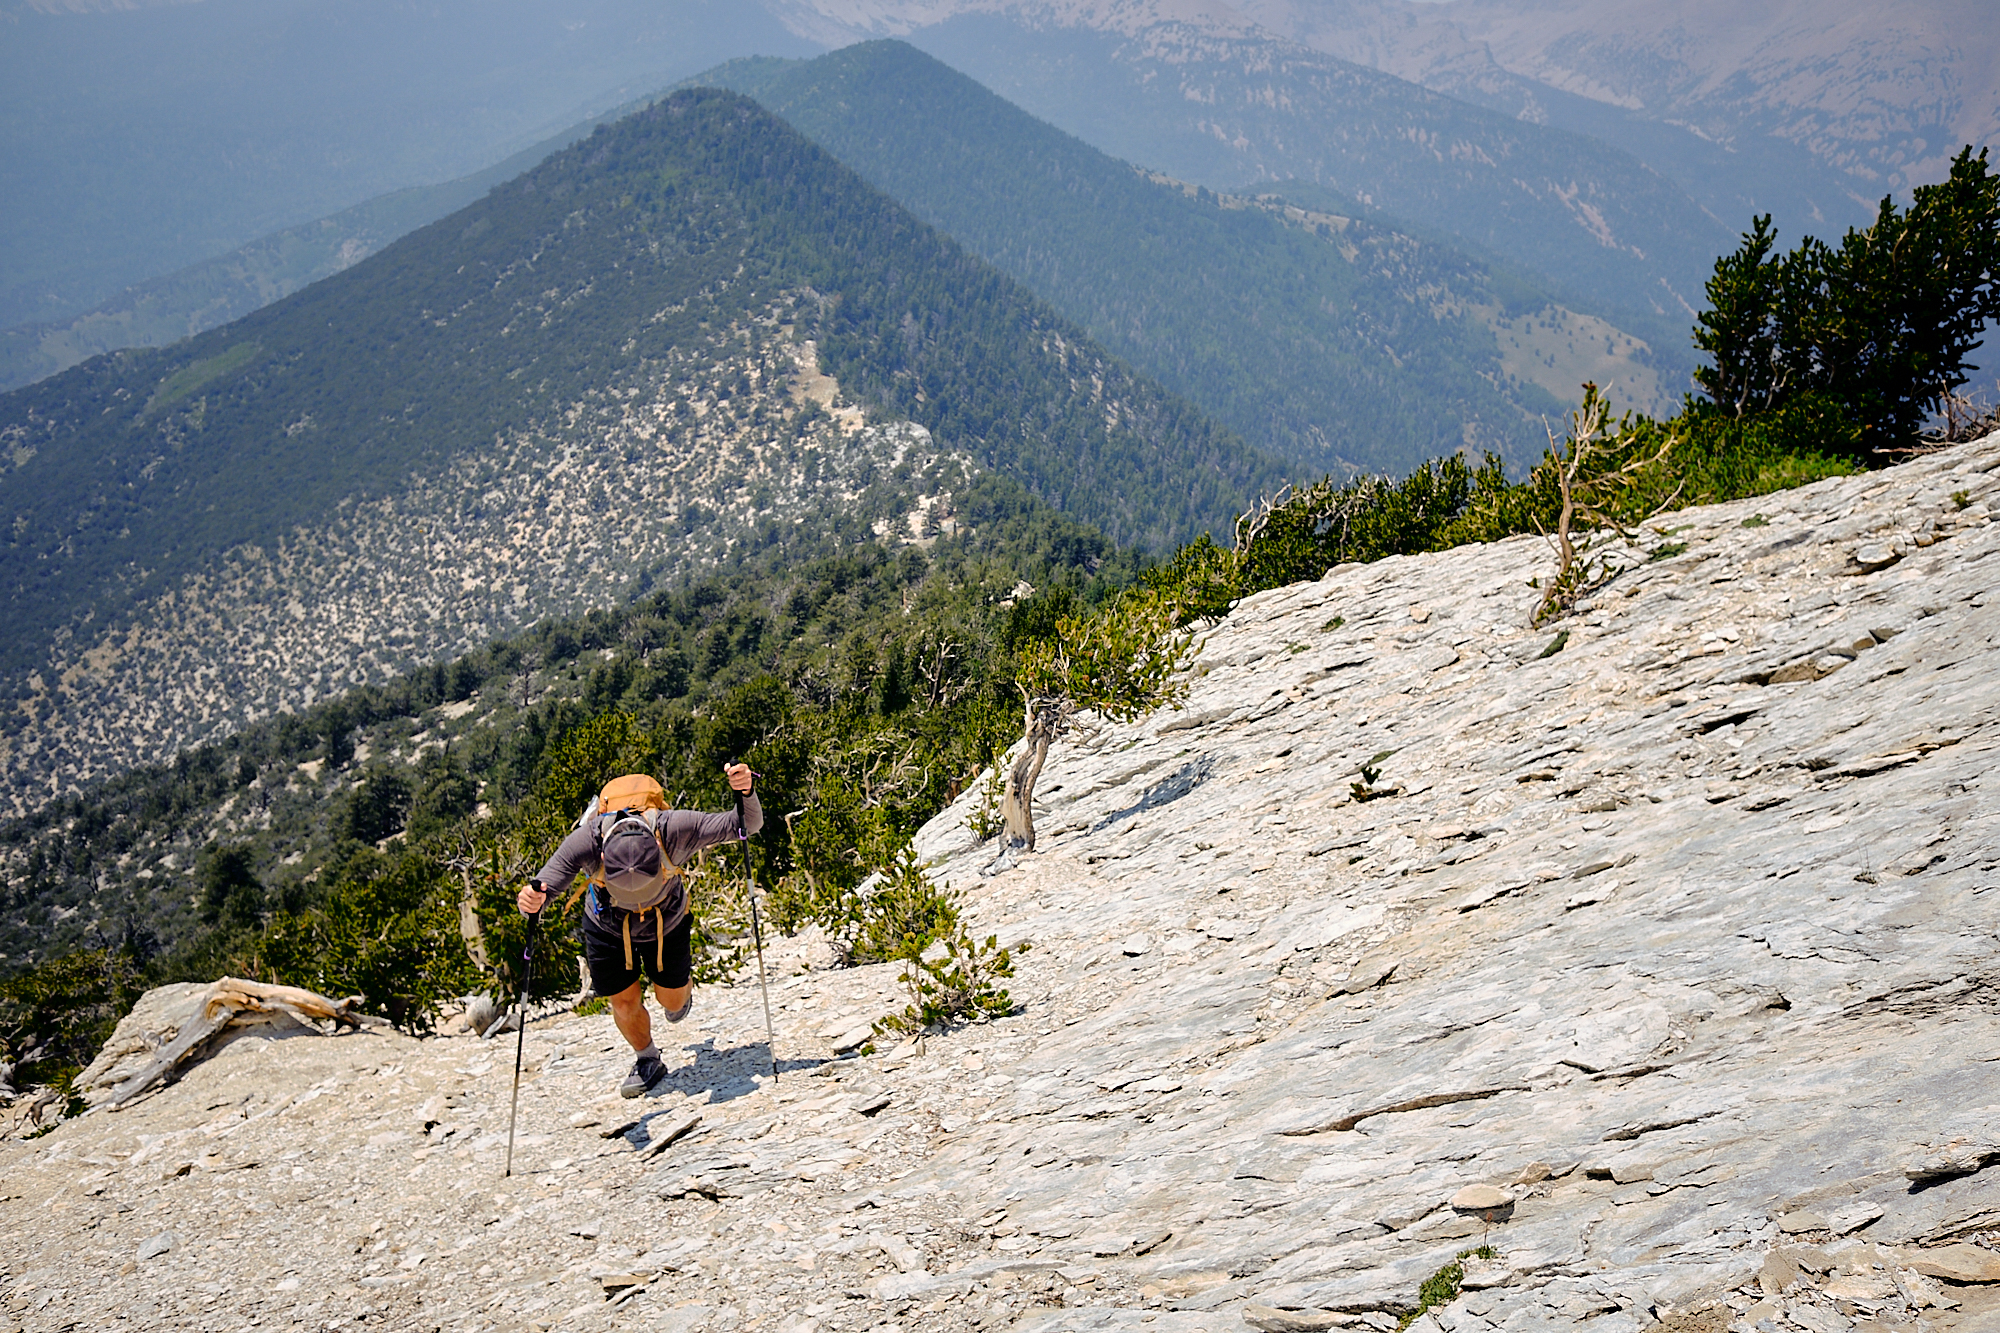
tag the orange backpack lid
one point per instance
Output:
(634, 791)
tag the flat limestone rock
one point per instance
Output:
(155, 1019)
(191, 1021)
(1481, 1199)
(1962, 1262)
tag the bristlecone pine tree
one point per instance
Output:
(1120, 663)
(1878, 329)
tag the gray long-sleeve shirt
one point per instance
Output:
(682, 834)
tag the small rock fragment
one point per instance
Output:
(1368, 974)
(481, 1013)
(1533, 1173)
(618, 1281)
(1843, 1221)
(678, 1128)
(1816, 1318)
(853, 1039)
(154, 1246)
(1137, 946)
(1877, 555)
(1860, 1287)
(1482, 1199)
(1920, 1292)
(1777, 1273)
(1963, 1262)
(1957, 1155)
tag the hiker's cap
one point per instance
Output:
(632, 860)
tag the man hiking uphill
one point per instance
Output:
(635, 911)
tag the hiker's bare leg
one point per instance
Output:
(673, 1000)
(628, 1011)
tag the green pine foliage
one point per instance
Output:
(388, 931)
(1302, 532)
(53, 1018)
(1853, 346)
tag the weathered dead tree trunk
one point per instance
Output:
(1045, 722)
(229, 1002)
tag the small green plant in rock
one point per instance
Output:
(898, 912)
(1667, 551)
(53, 1017)
(1961, 499)
(1333, 624)
(1756, 521)
(960, 986)
(1443, 1286)
(1371, 773)
(1555, 645)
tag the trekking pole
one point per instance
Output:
(521, 1040)
(757, 934)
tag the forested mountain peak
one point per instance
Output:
(592, 381)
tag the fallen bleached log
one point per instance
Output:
(175, 1026)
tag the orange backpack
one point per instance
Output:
(634, 791)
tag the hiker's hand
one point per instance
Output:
(530, 899)
(739, 776)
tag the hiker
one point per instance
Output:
(635, 910)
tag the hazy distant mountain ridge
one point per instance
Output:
(1200, 93)
(213, 292)
(1790, 103)
(1887, 91)
(1332, 341)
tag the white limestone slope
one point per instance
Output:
(1714, 952)
(1697, 969)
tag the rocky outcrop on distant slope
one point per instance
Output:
(537, 526)
(1658, 957)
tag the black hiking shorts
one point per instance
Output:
(667, 963)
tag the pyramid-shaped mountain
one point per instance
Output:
(657, 345)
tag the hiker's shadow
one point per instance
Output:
(725, 1073)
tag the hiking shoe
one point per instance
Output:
(682, 1012)
(647, 1071)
